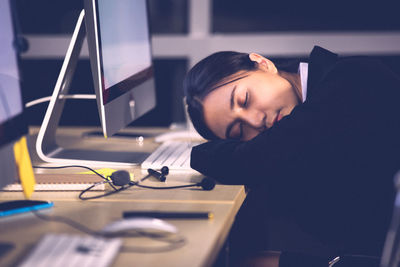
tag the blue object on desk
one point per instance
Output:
(20, 206)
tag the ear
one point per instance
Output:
(263, 63)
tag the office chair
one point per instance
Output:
(391, 249)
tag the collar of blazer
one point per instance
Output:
(321, 61)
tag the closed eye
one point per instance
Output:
(243, 101)
(246, 100)
(235, 129)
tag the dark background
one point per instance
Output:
(52, 17)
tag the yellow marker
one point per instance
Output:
(24, 166)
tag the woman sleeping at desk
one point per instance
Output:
(317, 140)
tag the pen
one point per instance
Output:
(168, 214)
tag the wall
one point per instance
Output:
(184, 31)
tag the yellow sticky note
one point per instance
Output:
(104, 171)
(24, 166)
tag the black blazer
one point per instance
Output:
(329, 165)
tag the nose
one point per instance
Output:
(253, 118)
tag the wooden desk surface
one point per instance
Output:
(204, 238)
(224, 194)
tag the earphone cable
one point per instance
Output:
(81, 197)
(70, 166)
(76, 166)
(164, 187)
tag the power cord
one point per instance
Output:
(48, 98)
(174, 241)
(67, 221)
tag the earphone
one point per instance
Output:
(160, 176)
(120, 178)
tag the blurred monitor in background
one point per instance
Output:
(12, 124)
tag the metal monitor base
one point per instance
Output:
(46, 145)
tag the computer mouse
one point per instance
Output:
(139, 223)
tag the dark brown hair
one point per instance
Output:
(206, 76)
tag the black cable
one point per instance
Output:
(126, 187)
(165, 187)
(76, 166)
(67, 221)
(174, 240)
(129, 186)
(145, 178)
(81, 197)
(71, 166)
(116, 190)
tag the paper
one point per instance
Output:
(24, 167)
(106, 172)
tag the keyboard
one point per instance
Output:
(174, 154)
(73, 250)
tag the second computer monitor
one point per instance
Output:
(121, 60)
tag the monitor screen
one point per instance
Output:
(125, 50)
(120, 54)
(12, 124)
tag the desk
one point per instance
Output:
(205, 238)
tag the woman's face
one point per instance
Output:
(253, 102)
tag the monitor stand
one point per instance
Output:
(46, 144)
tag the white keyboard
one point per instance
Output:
(173, 154)
(73, 250)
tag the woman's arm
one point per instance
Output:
(251, 162)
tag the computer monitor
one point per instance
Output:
(120, 56)
(12, 124)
